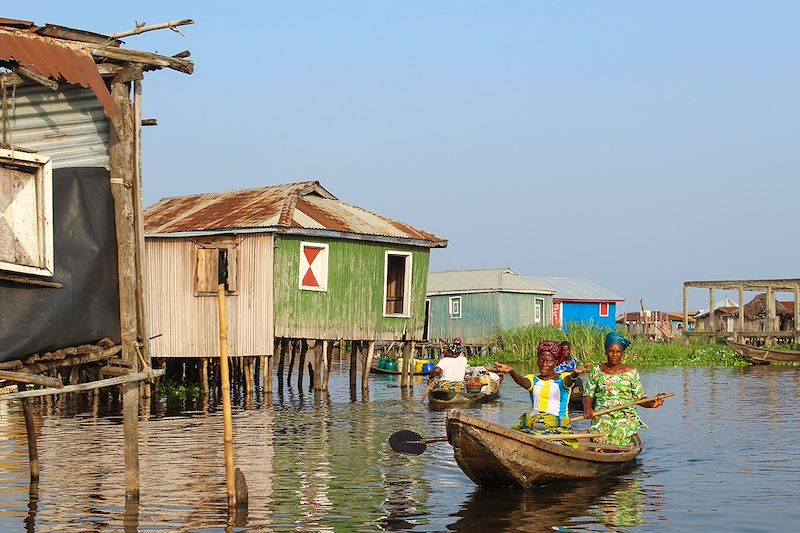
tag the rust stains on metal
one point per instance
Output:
(56, 60)
(297, 206)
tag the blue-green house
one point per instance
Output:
(476, 304)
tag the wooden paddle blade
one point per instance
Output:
(406, 441)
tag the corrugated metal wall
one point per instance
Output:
(589, 313)
(352, 307)
(485, 314)
(68, 125)
(188, 324)
(479, 317)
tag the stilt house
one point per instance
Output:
(70, 215)
(296, 263)
(477, 304)
(581, 301)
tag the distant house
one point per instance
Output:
(725, 313)
(476, 304)
(755, 315)
(659, 325)
(296, 262)
(580, 301)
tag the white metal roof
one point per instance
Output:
(489, 280)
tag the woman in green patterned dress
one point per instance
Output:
(609, 385)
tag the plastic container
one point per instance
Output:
(427, 368)
(391, 365)
(382, 362)
(418, 366)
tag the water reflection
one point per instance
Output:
(320, 462)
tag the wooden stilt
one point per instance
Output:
(30, 430)
(367, 365)
(204, 376)
(353, 363)
(301, 363)
(230, 482)
(247, 369)
(295, 346)
(408, 361)
(326, 362)
(318, 366)
(281, 361)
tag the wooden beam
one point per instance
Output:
(741, 309)
(797, 313)
(685, 308)
(367, 365)
(142, 28)
(34, 379)
(30, 281)
(81, 359)
(778, 285)
(144, 58)
(711, 317)
(83, 387)
(36, 78)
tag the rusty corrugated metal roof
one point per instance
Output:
(302, 206)
(56, 60)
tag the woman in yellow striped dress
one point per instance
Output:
(549, 391)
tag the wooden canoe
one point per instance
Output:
(763, 355)
(449, 398)
(494, 455)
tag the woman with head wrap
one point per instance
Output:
(609, 385)
(549, 390)
(452, 365)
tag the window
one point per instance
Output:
(26, 213)
(455, 307)
(538, 306)
(215, 265)
(397, 284)
(313, 266)
(603, 308)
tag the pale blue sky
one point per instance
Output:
(639, 144)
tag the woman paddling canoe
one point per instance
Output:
(549, 391)
(611, 384)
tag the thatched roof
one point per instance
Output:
(757, 308)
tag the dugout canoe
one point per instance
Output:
(375, 370)
(763, 355)
(494, 455)
(439, 398)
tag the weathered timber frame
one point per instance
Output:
(770, 286)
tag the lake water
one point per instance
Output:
(721, 455)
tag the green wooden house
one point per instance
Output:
(296, 262)
(476, 304)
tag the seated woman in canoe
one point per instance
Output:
(549, 391)
(452, 365)
(609, 385)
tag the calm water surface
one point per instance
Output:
(720, 456)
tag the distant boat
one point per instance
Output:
(763, 355)
(494, 455)
(461, 396)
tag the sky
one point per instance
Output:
(639, 144)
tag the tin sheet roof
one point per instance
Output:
(489, 280)
(300, 206)
(55, 59)
(577, 289)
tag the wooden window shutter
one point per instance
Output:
(206, 270)
(232, 269)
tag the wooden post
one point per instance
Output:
(685, 311)
(797, 314)
(293, 351)
(318, 366)
(353, 362)
(367, 365)
(281, 361)
(204, 376)
(302, 363)
(248, 370)
(770, 304)
(740, 336)
(224, 374)
(122, 175)
(407, 362)
(30, 430)
(711, 322)
(326, 362)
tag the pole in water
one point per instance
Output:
(230, 483)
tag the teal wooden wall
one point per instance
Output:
(484, 314)
(352, 307)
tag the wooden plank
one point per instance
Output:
(34, 379)
(30, 281)
(83, 387)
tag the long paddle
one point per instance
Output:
(661, 396)
(406, 441)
